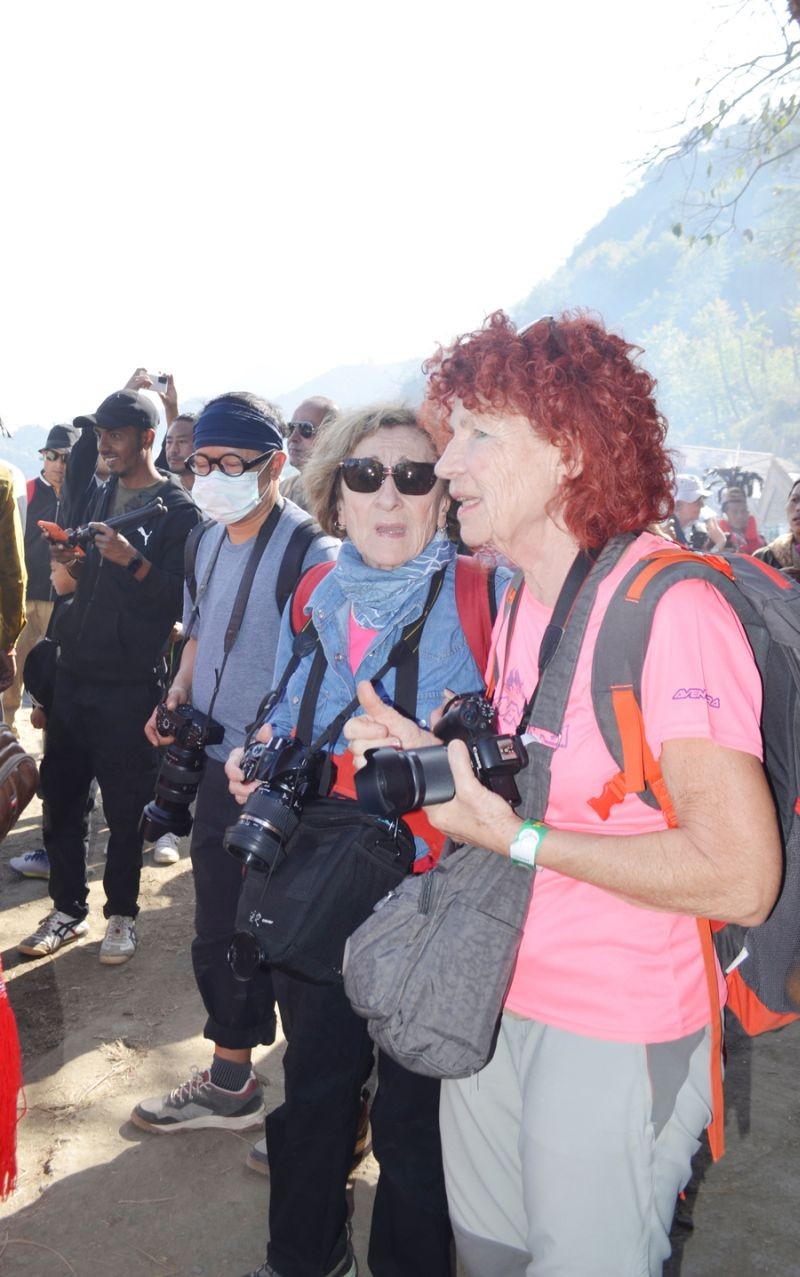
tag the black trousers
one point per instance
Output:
(240, 1014)
(310, 1139)
(96, 731)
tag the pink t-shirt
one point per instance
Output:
(589, 962)
(360, 639)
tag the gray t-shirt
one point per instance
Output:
(250, 668)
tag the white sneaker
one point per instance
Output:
(119, 942)
(31, 864)
(52, 932)
(165, 851)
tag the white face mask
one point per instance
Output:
(227, 498)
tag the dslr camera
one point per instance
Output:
(289, 775)
(180, 771)
(394, 781)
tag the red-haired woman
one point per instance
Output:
(566, 1153)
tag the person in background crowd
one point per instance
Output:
(738, 524)
(178, 447)
(566, 1153)
(12, 579)
(691, 524)
(111, 639)
(784, 552)
(237, 462)
(44, 502)
(39, 683)
(301, 437)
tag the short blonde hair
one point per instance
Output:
(321, 476)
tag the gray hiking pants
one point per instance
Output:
(564, 1157)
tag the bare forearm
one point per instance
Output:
(183, 678)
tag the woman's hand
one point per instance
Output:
(239, 787)
(476, 814)
(381, 726)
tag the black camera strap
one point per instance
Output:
(242, 594)
(582, 565)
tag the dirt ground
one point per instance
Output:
(98, 1197)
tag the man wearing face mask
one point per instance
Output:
(237, 461)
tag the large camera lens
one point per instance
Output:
(176, 788)
(394, 782)
(268, 820)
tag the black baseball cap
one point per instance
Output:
(123, 408)
(61, 437)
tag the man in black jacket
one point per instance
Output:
(111, 639)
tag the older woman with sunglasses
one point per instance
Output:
(565, 1154)
(371, 481)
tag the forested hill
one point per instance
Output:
(719, 323)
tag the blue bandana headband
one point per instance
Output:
(231, 423)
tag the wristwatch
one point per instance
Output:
(134, 565)
(525, 846)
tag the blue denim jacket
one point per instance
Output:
(445, 660)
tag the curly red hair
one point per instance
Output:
(581, 389)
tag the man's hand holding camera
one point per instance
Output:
(116, 548)
(177, 695)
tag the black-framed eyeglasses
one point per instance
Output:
(306, 429)
(230, 463)
(51, 454)
(366, 474)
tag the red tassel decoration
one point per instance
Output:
(10, 1084)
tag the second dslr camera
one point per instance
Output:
(396, 781)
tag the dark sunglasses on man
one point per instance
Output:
(52, 454)
(306, 429)
(366, 474)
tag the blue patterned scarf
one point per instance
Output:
(378, 595)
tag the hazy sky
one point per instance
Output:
(248, 194)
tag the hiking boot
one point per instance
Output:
(165, 851)
(347, 1268)
(52, 932)
(33, 864)
(198, 1104)
(257, 1158)
(119, 942)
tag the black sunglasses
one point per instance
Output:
(366, 474)
(230, 463)
(306, 429)
(50, 454)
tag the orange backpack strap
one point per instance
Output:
(716, 1128)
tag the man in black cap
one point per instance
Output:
(237, 461)
(110, 643)
(44, 502)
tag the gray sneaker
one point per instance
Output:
(52, 932)
(257, 1158)
(119, 942)
(347, 1268)
(198, 1104)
